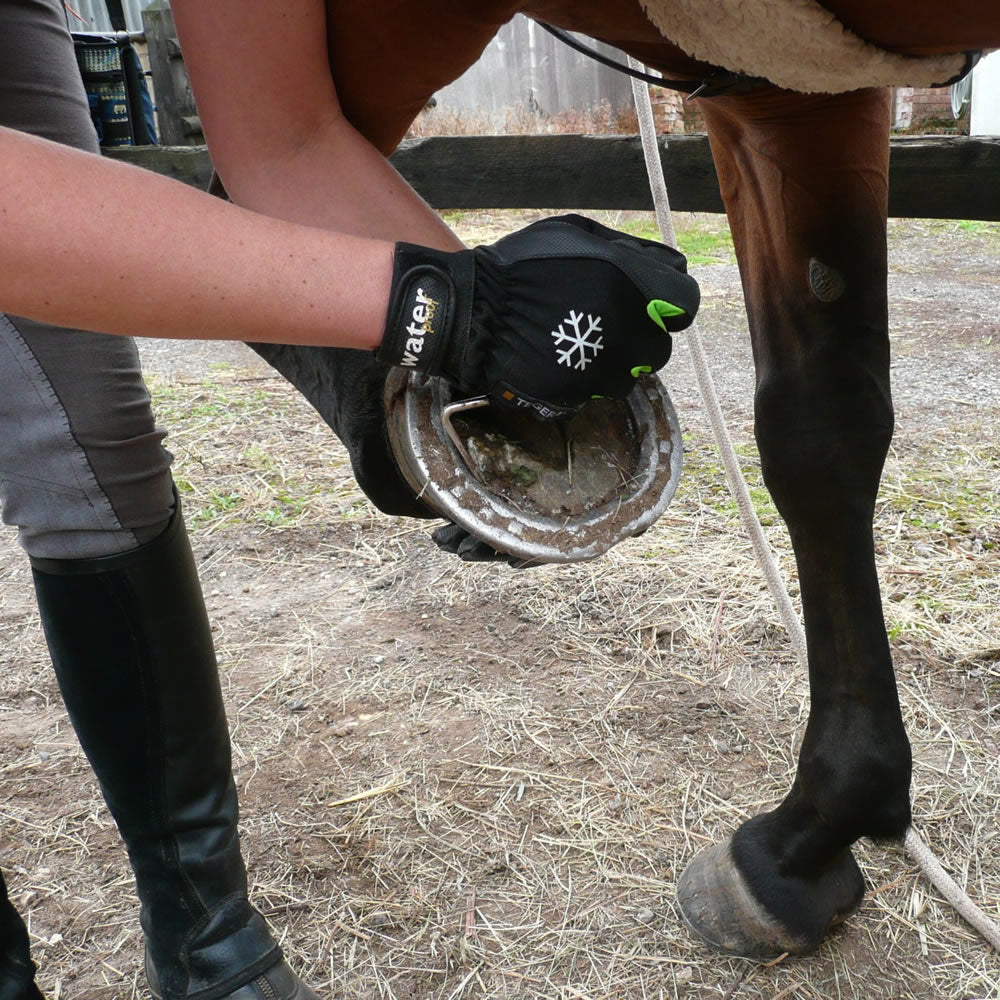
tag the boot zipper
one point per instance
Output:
(267, 991)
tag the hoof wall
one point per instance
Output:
(719, 909)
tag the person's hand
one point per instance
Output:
(457, 541)
(546, 318)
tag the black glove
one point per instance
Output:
(455, 540)
(548, 317)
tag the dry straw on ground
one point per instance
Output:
(602, 119)
(465, 781)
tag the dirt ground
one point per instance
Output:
(468, 781)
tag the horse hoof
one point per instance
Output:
(719, 908)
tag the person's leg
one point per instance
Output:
(82, 467)
(132, 650)
(17, 971)
(83, 471)
(48, 484)
(86, 481)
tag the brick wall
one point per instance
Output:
(912, 106)
(673, 114)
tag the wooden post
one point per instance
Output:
(177, 116)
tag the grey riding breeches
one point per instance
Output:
(83, 470)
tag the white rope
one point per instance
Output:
(949, 888)
(912, 842)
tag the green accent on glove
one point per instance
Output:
(641, 370)
(658, 308)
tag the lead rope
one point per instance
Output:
(912, 841)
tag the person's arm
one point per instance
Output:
(152, 257)
(149, 256)
(267, 102)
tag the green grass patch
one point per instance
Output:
(703, 239)
(703, 482)
(706, 246)
(701, 242)
(253, 452)
(977, 229)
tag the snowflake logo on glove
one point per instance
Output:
(579, 339)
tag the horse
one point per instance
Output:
(804, 179)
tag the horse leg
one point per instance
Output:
(804, 179)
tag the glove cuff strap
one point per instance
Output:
(422, 318)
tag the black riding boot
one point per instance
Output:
(17, 971)
(133, 654)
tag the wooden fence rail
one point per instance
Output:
(942, 177)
